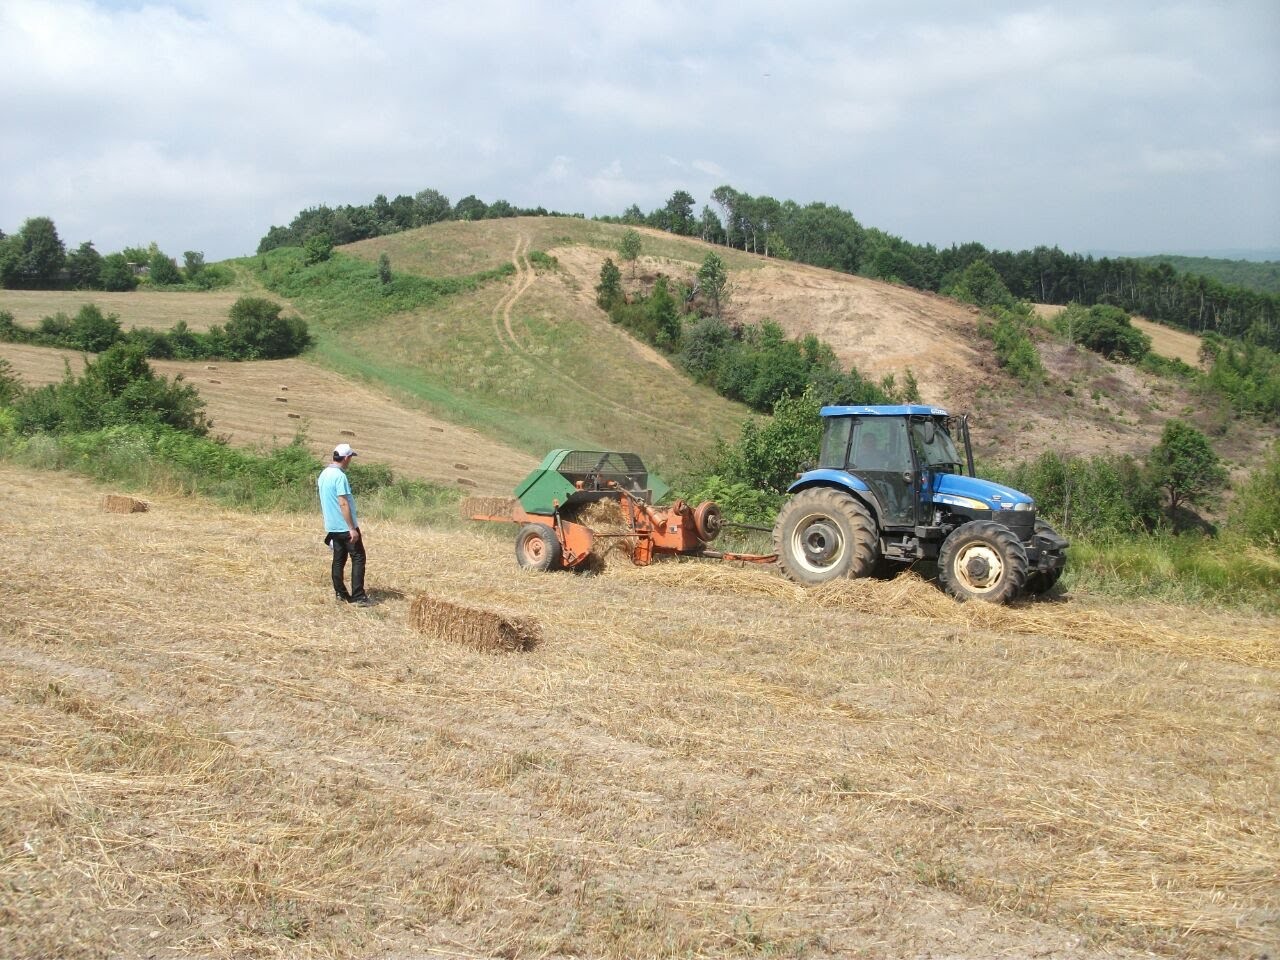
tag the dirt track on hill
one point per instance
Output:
(202, 756)
(261, 403)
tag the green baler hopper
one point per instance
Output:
(599, 474)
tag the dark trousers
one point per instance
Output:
(342, 548)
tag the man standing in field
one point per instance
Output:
(342, 531)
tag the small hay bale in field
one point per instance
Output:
(115, 503)
(465, 482)
(211, 380)
(479, 629)
(283, 387)
(469, 507)
(437, 429)
(282, 399)
(295, 416)
(346, 433)
(461, 466)
(210, 366)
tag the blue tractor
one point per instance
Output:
(891, 488)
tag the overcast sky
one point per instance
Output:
(1117, 126)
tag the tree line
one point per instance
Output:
(36, 258)
(255, 330)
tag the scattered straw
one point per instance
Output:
(480, 629)
(115, 503)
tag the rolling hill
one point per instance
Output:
(531, 363)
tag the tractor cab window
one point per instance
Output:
(835, 442)
(880, 443)
(935, 446)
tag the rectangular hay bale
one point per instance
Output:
(469, 507)
(115, 503)
(478, 629)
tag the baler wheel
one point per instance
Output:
(537, 548)
(707, 521)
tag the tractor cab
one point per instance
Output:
(896, 454)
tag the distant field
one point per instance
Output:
(157, 310)
(256, 405)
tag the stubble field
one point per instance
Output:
(201, 756)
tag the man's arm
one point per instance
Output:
(344, 504)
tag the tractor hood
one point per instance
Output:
(960, 491)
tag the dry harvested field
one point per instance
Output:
(201, 756)
(257, 404)
(157, 310)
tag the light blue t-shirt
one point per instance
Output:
(333, 483)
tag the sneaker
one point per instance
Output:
(339, 598)
(361, 602)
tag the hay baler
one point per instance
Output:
(554, 507)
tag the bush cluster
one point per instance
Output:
(1104, 329)
(116, 389)
(255, 330)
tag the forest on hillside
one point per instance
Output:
(1262, 276)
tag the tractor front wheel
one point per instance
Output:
(823, 534)
(537, 548)
(982, 560)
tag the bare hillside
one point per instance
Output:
(201, 756)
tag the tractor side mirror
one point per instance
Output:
(930, 431)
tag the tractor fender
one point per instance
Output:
(844, 482)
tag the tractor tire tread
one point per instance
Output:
(858, 525)
(999, 537)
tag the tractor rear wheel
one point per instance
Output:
(982, 560)
(537, 548)
(823, 534)
(1041, 581)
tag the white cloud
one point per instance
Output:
(935, 121)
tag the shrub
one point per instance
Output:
(117, 388)
(1186, 467)
(979, 284)
(10, 385)
(1014, 349)
(1255, 514)
(256, 331)
(1089, 495)
(1106, 330)
(93, 331)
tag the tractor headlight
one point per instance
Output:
(1028, 505)
(966, 502)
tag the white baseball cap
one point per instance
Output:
(342, 451)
